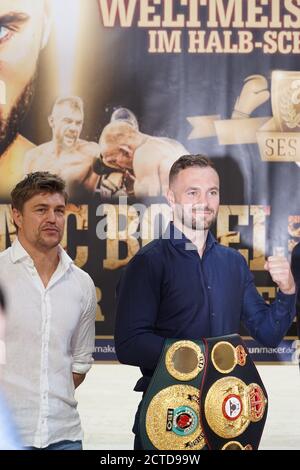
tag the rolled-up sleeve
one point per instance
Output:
(83, 340)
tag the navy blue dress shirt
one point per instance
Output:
(168, 291)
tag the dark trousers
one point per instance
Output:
(135, 429)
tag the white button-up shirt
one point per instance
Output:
(50, 334)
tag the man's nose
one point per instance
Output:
(51, 216)
(202, 199)
(73, 126)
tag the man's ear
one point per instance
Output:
(170, 198)
(17, 217)
(50, 121)
(127, 149)
(47, 24)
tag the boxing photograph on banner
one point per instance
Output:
(150, 159)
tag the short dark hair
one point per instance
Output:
(37, 183)
(188, 161)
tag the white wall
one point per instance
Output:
(107, 406)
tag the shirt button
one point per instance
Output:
(213, 314)
(208, 287)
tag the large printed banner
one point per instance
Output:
(109, 93)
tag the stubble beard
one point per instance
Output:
(202, 224)
(195, 223)
(47, 245)
(10, 126)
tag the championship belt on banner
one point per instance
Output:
(205, 394)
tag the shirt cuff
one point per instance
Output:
(286, 303)
(80, 368)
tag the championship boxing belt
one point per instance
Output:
(204, 394)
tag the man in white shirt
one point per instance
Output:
(51, 321)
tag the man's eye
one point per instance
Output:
(5, 33)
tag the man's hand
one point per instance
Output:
(280, 272)
(78, 379)
(128, 181)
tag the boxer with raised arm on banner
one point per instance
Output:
(51, 318)
(24, 31)
(150, 158)
(66, 154)
(185, 285)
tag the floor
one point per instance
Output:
(107, 406)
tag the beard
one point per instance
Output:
(10, 126)
(202, 224)
(195, 223)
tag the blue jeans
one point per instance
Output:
(61, 445)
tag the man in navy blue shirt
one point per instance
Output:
(185, 285)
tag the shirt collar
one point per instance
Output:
(18, 253)
(177, 237)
